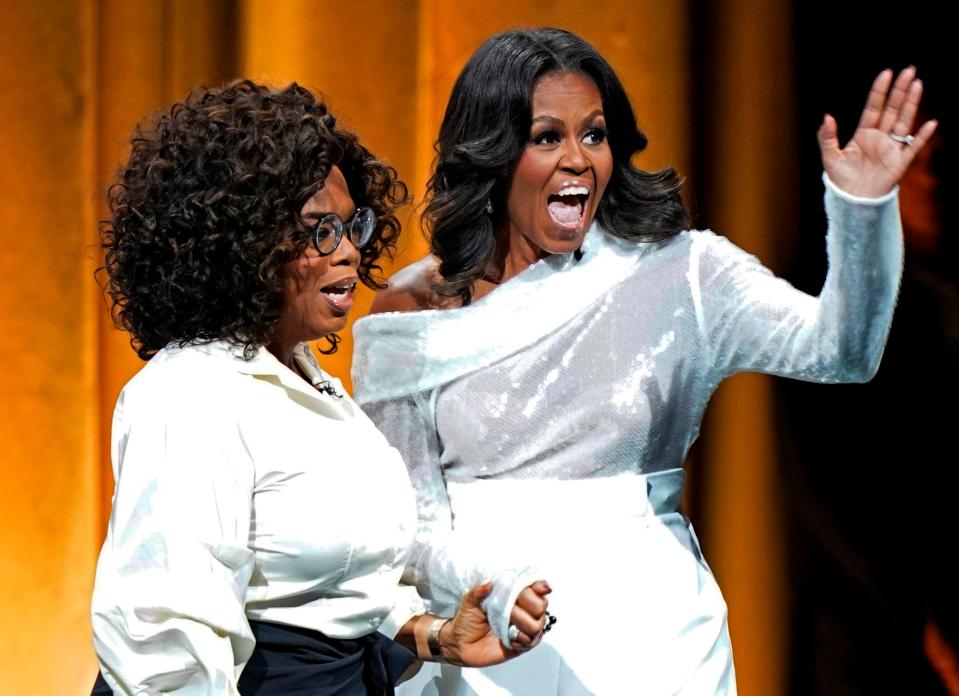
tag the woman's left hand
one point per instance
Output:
(873, 162)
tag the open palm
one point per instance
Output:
(873, 162)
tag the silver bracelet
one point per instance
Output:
(433, 637)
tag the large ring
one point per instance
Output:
(550, 620)
(513, 633)
(904, 139)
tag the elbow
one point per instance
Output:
(859, 364)
(861, 373)
(856, 348)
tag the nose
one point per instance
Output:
(574, 159)
(345, 254)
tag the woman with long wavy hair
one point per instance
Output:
(552, 357)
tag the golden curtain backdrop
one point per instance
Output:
(78, 74)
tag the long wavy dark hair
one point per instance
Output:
(484, 132)
(207, 210)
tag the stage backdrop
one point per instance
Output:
(76, 76)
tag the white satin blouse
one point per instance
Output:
(242, 492)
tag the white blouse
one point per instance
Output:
(243, 493)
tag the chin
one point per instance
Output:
(559, 241)
(335, 325)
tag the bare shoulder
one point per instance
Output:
(411, 289)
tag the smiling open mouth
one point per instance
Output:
(340, 295)
(338, 292)
(567, 206)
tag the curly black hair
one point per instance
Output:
(484, 132)
(207, 210)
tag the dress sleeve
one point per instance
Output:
(441, 565)
(754, 321)
(168, 603)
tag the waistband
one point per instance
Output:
(633, 495)
(294, 661)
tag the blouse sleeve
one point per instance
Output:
(442, 566)
(753, 321)
(168, 603)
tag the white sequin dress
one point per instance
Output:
(545, 427)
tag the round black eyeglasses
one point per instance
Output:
(329, 230)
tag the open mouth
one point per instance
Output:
(567, 206)
(340, 295)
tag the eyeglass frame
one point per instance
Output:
(339, 226)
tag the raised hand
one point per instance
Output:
(883, 146)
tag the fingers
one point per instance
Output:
(528, 618)
(541, 587)
(528, 624)
(522, 640)
(907, 119)
(907, 113)
(901, 110)
(828, 136)
(532, 603)
(923, 134)
(872, 112)
(897, 98)
(828, 133)
(525, 641)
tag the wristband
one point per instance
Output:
(433, 637)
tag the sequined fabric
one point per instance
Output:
(603, 367)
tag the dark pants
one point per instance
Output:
(291, 661)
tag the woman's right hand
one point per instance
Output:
(468, 639)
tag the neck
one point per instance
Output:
(520, 255)
(282, 350)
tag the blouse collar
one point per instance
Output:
(324, 391)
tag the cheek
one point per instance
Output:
(300, 283)
(603, 166)
(295, 279)
(527, 185)
(522, 201)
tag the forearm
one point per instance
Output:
(754, 321)
(865, 265)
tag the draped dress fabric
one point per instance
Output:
(545, 427)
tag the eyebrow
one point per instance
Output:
(320, 214)
(556, 121)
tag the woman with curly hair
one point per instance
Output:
(260, 522)
(571, 332)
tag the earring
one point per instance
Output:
(489, 207)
